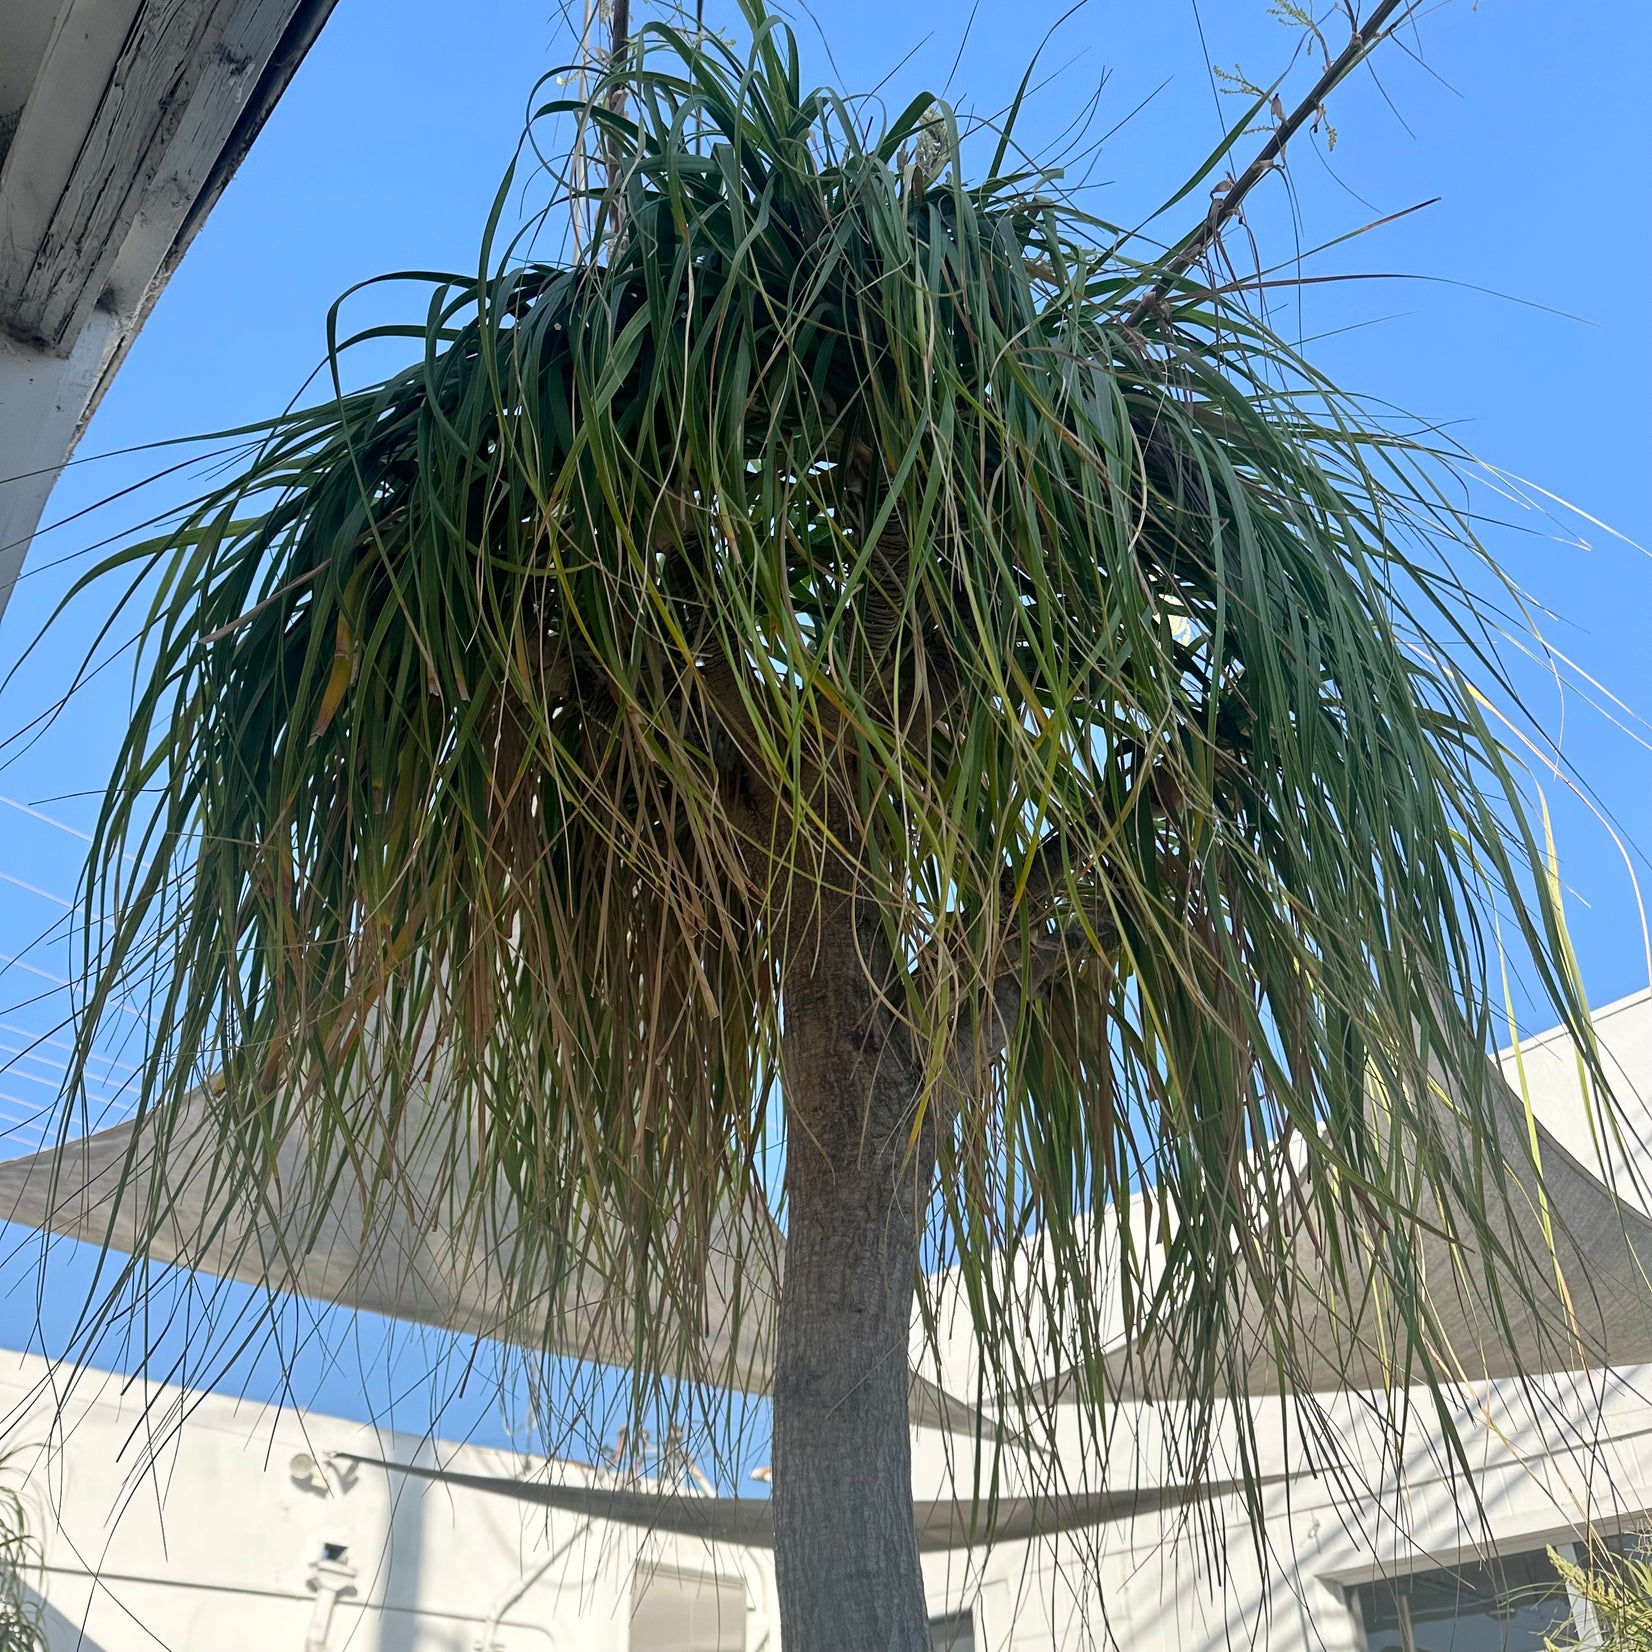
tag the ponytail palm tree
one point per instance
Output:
(846, 660)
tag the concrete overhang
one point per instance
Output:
(120, 123)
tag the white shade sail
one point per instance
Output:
(1588, 1306)
(1571, 1289)
(943, 1523)
(403, 1250)
(401, 1257)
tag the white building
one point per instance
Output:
(251, 1528)
(246, 1532)
(257, 1529)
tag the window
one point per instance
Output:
(1511, 1605)
(1635, 1544)
(688, 1612)
(953, 1633)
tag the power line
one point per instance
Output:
(35, 814)
(27, 1053)
(61, 825)
(62, 1044)
(7, 961)
(33, 889)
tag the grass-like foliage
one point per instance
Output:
(839, 532)
(1617, 1593)
(21, 1629)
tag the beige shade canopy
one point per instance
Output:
(403, 1259)
(1585, 1304)
(943, 1523)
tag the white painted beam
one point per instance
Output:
(43, 398)
(121, 121)
(25, 31)
(53, 124)
(133, 104)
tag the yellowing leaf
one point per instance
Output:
(338, 681)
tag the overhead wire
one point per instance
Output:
(23, 1120)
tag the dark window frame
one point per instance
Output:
(1511, 1582)
(959, 1626)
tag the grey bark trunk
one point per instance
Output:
(846, 1547)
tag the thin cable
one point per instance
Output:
(44, 894)
(62, 826)
(61, 1044)
(7, 961)
(35, 814)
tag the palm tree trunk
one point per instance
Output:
(846, 1547)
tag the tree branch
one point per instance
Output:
(1359, 46)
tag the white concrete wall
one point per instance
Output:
(1569, 1452)
(209, 1544)
(212, 1543)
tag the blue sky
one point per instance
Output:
(1518, 328)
